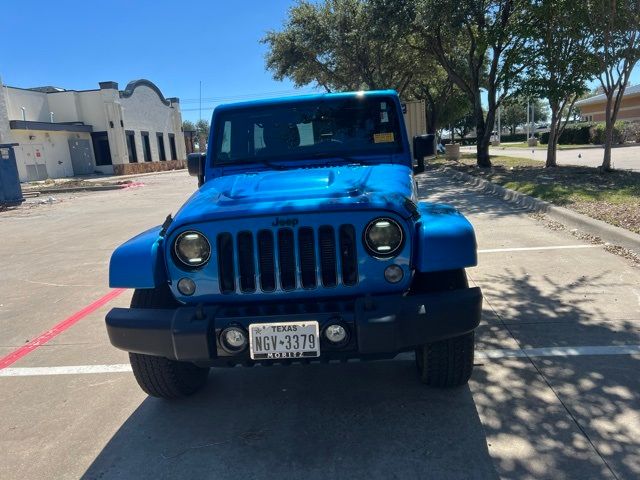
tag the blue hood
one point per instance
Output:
(383, 186)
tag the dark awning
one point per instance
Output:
(51, 127)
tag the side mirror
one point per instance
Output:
(195, 166)
(423, 146)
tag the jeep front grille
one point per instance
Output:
(287, 259)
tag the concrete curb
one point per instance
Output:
(131, 175)
(608, 233)
(97, 188)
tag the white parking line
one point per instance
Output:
(480, 355)
(558, 351)
(70, 370)
(531, 249)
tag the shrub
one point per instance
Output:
(631, 131)
(515, 137)
(575, 134)
(620, 133)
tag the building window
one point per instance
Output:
(131, 146)
(172, 146)
(146, 146)
(101, 148)
(161, 152)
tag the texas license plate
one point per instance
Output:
(269, 341)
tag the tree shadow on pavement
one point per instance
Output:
(439, 188)
(356, 420)
(559, 417)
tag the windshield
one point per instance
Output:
(339, 127)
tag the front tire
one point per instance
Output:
(164, 378)
(158, 376)
(445, 363)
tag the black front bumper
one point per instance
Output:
(380, 326)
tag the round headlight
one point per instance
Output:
(192, 249)
(383, 237)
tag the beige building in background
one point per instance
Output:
(63, 133)
(593, 109)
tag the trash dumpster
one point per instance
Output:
(423, 146)
(10, 191)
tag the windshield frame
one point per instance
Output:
(397, 149)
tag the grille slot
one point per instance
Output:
(246, 262)
(327, 247)
(307, 255)
(286, 259)
(266, 261)
(348, 255)
(226, 272)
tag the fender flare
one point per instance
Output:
(445, 239)
(139, 262)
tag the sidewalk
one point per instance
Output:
(627, 158)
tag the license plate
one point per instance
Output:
(269, 341)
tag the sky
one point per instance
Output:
(76, 44)
(176, 45)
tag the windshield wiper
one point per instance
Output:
(346, 158)
(275, 166)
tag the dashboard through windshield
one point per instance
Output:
(338, 127)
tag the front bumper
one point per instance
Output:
(380, 326)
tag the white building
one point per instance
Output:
(62, 133)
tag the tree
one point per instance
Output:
(202, 133)
(188, 126)
(445, 103)
(481, 44)
(340, 45)
(615, 26)
(514, 112)
(561, 61)
(464, 124)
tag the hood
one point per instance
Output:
(382, 186)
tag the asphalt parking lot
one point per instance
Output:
(555, 392)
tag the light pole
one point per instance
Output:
(528, 123)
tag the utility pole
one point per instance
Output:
(200, 100)
(533, 119)
(528, 117)
(499, 124)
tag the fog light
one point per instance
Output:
(336, 333)
(186, 286)
(393, 273)
(234, 338)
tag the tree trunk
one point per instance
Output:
(553, 139)
(608, 140)
(432, 121)
(482, 139)
(608, 136)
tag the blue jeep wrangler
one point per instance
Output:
(304, 241)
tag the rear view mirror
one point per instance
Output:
(195, 166)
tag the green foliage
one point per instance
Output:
(514, 112)
(341, 45)
(631, 131)
(574, 134)
(202, 134)
(614, 27)
(188, 126)
(445, 102)
(620, 131)
(595, 133)
(481, 45)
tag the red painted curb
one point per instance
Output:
(58, 329)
